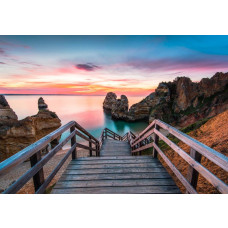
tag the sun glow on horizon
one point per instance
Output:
(95, 65)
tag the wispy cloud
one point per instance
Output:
(87, 67)
(10, 44)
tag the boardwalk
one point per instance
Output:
(116, 171)
(115, 164)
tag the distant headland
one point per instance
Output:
(180, 102)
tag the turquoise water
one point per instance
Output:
(86, 110)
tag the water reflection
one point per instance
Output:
(86, 110)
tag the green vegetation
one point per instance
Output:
(194, 126)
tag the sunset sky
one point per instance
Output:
(95, 65)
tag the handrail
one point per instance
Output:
(149, 139)
(33, 152)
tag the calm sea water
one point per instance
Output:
(86, 110)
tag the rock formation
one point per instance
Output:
(181, 102)
(6, 113)
(16, 134)
(41, 104)
(117, 107)
(109, 100)
(120, 108)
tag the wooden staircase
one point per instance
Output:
(116, 171)
(115, 163)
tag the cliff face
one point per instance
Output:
(16, 134)
(182, 101)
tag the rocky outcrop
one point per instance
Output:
(7, 114)
(182, 101)
(16, 134)
(41, 104)
(117, 107)
(109, 101)
(120, 108)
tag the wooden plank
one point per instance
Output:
(85, 147)
(143, 157)
(84, 137)
(114, 176)
(73, 141)
(156, 138)
(38, 178)
(144, 137)
(192, 175)
(20, 182)
(90, 150)
(128, 161)
(115, 183)
(142, 148)
(120, 170)
(216, 157)
(120, 190)
(144, 131)
(84, 131)
(26, 153)
(112, 166)
(215, 181)
(175, 170)
(53, 173)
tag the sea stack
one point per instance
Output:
(6, 113)
(41, 104)
(109, 101)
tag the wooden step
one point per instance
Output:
(119, 190)
(115, 183)
(114, 176)
(115, 170)
(114, 166)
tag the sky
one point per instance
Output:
(95, 65)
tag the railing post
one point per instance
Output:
(38, 178)
(97, 149)
(90, 146)
(73, 141)
(156, 139)
(192, 175)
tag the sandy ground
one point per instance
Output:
(18, 171)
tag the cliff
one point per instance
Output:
(181, 102)
(16, 134)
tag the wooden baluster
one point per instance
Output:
(156, 139)
(192, 175)
(38, 178)
(73, 141)
(97, 149)
(90, 145)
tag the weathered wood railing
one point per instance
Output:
(150, 137)
(107, 133)
(33, 152)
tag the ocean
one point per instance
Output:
(86, 110)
